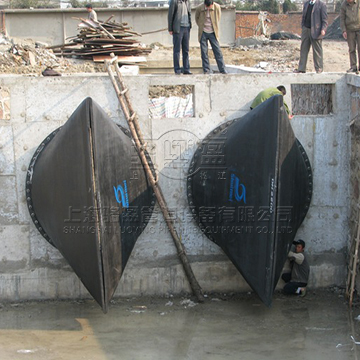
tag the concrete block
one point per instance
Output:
(327, 275)
(341, 99)
(202, 103)
(155, 242)
(27, 138)
(14, 98)
(42, 254)
(173, 149)
(17, 99)
(331, 162)
(63, 97)
(303, 128)
(244, 87)
(14, 254)
(7, 159)
(240, 97)
(217, 276)
(69, 286)
(37, 284)
(40, 284)
(8, 201)
(152, 281)
(8, 286)
(325, 229)
(4, 103)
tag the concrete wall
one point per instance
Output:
(54, 26)
(354, 125)
(32, 107)
(246, 22)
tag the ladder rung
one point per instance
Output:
(132, 117)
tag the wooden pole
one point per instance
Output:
(131, 117)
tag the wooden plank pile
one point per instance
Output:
(96, 40)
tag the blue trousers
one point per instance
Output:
(181, 42)
(205, 37)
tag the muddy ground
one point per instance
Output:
(318, 326)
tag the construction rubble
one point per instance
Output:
(26, 56)
(30, 57)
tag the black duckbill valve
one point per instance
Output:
(249, 188)
(88, 195)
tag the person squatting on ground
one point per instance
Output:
(267, 94)
(207, 18)
(179, 25)
(314, 24)
(91, 12)
(297, 279)
(350, 27)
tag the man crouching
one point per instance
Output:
(297, 279)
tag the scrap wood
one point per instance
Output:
(101, 38)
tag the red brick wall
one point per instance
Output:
(246, 22)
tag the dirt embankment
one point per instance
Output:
(29, 57)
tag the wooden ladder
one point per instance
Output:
(132, 120)
(353, 261)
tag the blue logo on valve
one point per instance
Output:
(121, 195)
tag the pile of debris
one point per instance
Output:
(334, 31)
(26, 56)
(96, 40)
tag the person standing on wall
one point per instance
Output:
(207, 18)
(350, 27)
(314, 24)
(91, 12)
(179, 25)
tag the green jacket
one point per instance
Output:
(215, 16)
(266, 94)
(349, 16)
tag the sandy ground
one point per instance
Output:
(318, 326)
(279, 56)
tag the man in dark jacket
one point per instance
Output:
(350, 27)
(314, 24)
(297, 280)
(179, 25)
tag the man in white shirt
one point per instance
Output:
(91, 12)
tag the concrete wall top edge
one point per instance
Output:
(290, 12)
(301, 79)
(98, 10)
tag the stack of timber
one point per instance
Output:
(96, 40)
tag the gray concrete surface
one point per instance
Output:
(54, 26)
(318, 326)
(34, 106)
